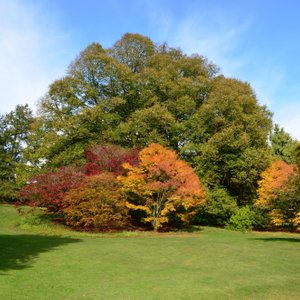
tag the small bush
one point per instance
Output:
(96, 204)
(218, 209)
(261, 219)
(242, 220)
(33, 217)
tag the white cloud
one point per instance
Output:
(287, 116)
(30, 58)
(267, 82)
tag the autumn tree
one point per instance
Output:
(106, 94)
(48, 189)
(161, 184)
(273, 178)
(96, 204)
(136, 93)
(278, 193)
(286, 205)
(109, 158)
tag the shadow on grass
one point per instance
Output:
(18, 251)
(191, 229)
(278, 239)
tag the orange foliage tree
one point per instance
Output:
(273, 179)
(96, 204)
(161, 184)
(275, 193)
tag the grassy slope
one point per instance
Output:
(54, 263)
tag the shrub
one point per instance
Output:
(242, 220)
(47, 190)
(96, 204)
(261, 219)
(8, 191)
(33, 218)
(218, 208)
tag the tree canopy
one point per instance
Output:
(161, 184)
(138, 93)
(14, 132)
(283, 145)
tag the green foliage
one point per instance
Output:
(285, 206)
(262, 219)
(33, 218)
(218, 208)
(14, 131)
(137, 93)
(297, 155)
(150, 125)
(226, 139)
(133, 50)
(108, 94)
(8, 190)
(242, 220)
(282, 145)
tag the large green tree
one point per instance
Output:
(226, 139)
(136, 93)
(14, 131)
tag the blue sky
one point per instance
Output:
(257, 41)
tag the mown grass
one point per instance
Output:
(43, 261)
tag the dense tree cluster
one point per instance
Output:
(138, 93)
(153, 181)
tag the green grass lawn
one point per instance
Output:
(50, 262)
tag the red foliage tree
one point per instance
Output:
(109, 158)
(48, 190)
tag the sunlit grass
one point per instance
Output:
(51, 262)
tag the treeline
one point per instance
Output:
(137, 94)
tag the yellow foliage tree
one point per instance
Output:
(273, 178)
(96, 204)
(161, 184)
(275, 193)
